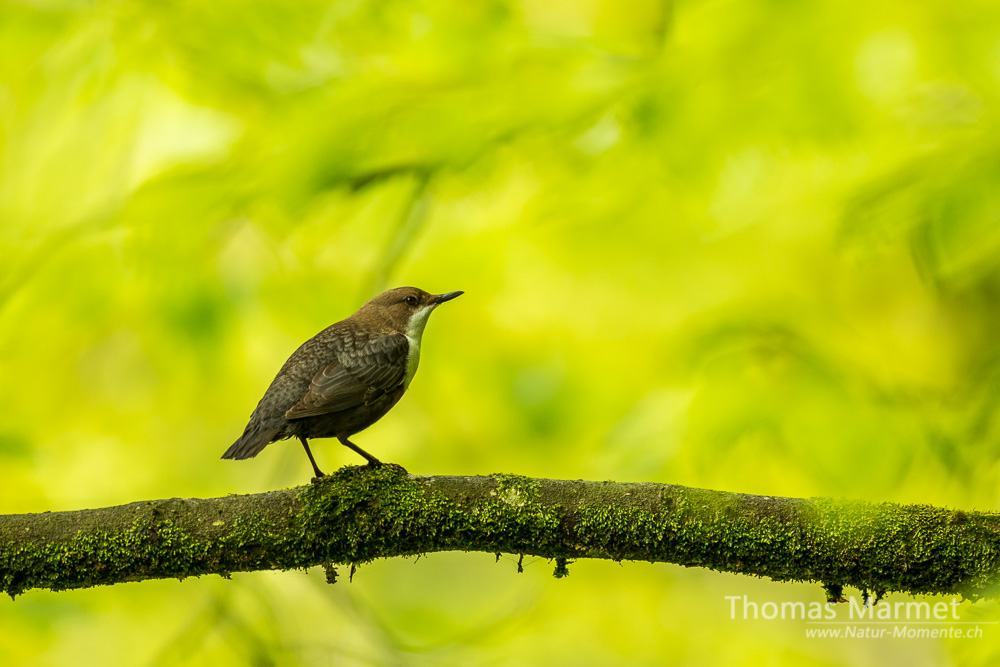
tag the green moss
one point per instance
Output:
(360, 514)
(99, 557)
(876, 548)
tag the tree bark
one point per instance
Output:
(360, 514)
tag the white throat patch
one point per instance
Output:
(414, 330)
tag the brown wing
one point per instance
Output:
(360, 375)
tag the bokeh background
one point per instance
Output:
(750, 246)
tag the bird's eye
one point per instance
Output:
(411, 300)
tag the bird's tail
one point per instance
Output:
(254, 439)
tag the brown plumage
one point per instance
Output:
(345, 378)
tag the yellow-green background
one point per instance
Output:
(751, 246)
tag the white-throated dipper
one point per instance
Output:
(345, 378)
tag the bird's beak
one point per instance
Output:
(441, 298)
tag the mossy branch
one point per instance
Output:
(360, 514)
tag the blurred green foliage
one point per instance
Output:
(745, 246)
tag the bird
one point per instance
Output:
(345, 378)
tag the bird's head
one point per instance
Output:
(403, 310)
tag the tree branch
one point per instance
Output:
(359, 514)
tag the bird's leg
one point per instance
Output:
(316, 469)
(372, 461)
